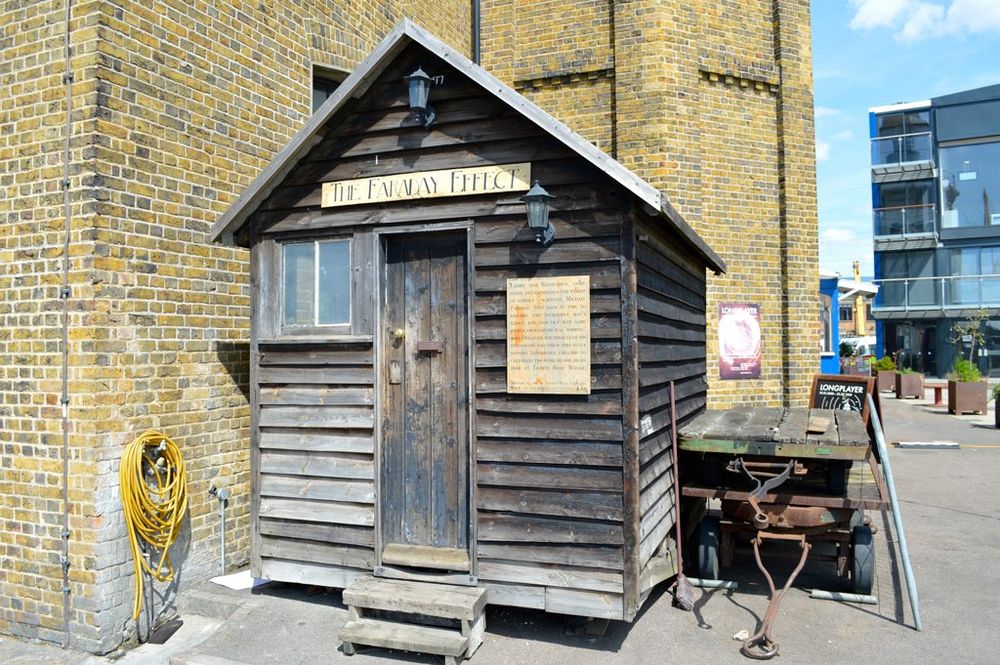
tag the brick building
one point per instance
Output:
(174, 109)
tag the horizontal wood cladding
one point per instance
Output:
(316, 488)
(671, 331)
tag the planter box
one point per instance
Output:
(909, 385)
(966, 397)
(996, 412)
(885, 379)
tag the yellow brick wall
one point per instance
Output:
(178, 107)
(32, 135)
(711, 101)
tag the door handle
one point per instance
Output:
(397, 336)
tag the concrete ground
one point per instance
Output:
(951, 509)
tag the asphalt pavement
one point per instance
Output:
(951, 509)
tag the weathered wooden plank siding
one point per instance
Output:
(549, 497)
(316, 490)
(549, 467)
(671, 326)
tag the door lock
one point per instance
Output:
(397, 336)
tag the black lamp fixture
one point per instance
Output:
(537, 203)
(421, 113)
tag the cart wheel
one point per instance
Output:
(709, 531)
(862, 560)
(836, 477)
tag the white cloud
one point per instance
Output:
(913, 20)
(840, 246)
(844, 135)
(822, 151)
(924, 20)
(877, 13)
(838, 235)
(974, 15)
(825, 111)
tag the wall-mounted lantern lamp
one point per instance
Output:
(421, 113)
(537, 203)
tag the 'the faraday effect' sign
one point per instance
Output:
(548, 335)
(428, 185)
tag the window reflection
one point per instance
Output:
(970, 185)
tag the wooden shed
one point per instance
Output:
(436, 395)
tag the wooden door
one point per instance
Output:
(425, 443)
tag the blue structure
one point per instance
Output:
(830, 306)
(936, 217)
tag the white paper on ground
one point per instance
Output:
(239, 581)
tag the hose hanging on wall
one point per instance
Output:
(154, 499)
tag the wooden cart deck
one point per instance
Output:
(778, 432)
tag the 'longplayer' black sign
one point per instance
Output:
(841, 393)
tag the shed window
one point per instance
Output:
(316, 283)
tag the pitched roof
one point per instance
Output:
(355, 85)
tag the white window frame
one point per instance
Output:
(315, 324)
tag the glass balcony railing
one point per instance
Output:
(924, 293)
(902, 149)
(904, 220)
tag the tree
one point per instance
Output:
(970, 330)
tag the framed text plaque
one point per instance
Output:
(548, 335)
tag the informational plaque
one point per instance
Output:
(548, 335)
(496, 178)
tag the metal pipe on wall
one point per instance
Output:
(476, 20)
(64, 293)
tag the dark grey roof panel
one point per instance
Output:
(967, 96)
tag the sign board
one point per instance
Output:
(739, 340)
(842, 392)
(548, 335)
(428, 185)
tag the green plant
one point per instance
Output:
(846, 349)
(965, 372)
(996, 391)
(884, 364)
(907, 370)
(969, 332)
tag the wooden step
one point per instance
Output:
(438, 600)
(405, 637)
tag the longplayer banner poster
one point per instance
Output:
(739, 341)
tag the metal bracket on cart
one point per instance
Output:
(760, 518)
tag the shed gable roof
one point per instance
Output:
(355, 85)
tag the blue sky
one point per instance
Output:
(874, 52)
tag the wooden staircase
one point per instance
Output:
(412, 606)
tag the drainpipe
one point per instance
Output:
(64, 294)
(222, 495)
(475, 31)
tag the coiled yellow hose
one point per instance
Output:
(154, 499)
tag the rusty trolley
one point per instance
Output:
(782, 474)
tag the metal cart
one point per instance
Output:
(799, 474)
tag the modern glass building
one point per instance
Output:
(936, 217)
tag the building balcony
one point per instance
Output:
(904, 157)
(905, 227)
(932, 297)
